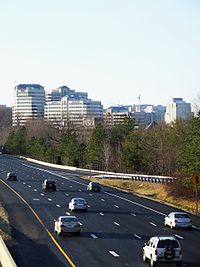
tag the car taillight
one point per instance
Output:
(156, 252)
(190, 220)
(176, 221)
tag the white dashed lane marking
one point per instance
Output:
(66, 194)
(67, 213)
(49, 199)
(137, 236)
(35, 190)
(102, 199)
(29, 186)
(116, 223)
(113, 253)
(133, 214)
(116, 206)
(153, 224)
(93, 236)
(24, 183)
(57, 205)
(42, 194)
(101, 213)
(36, 199)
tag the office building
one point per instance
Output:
(29, 100)
(115, 115)
(178, 109)
(71, 108)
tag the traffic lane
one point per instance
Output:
(30, 246)
(102, 233)
(88, 219)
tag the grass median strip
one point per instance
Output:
(5, 228)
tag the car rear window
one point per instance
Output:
(51, 183)
(181, 216)
(95, 184)
(79, 200)
(165, 243)
(69, 220)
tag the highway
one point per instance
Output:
(113, 230)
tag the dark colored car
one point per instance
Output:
(49, 185)
(11, 176)
(94, 186)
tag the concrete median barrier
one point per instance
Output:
(6, 259)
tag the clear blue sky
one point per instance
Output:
(112, 49)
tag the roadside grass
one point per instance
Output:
(157, 192)
(5, 228)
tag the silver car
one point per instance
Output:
(178, 219)
(67, 224)
(78, 203)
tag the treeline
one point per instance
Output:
(172, 150)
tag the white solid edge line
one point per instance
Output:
(179, 236)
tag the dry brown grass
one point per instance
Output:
(158, 192)
(5, 228)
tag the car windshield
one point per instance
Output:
(179, 215)
(165, 243)
(66, 220)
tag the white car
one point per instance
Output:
(67, 224)
(164, 249)
(178, 219)
(78, 203)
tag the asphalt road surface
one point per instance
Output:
(113, 230)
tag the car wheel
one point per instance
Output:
(144, 257)
(152, 263)
(58, 233)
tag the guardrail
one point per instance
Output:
(6, 259)
(136, 177)
(111, 175)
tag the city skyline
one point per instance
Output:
(114, 50)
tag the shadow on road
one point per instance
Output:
(27, 253)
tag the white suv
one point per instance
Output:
(162, 249)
